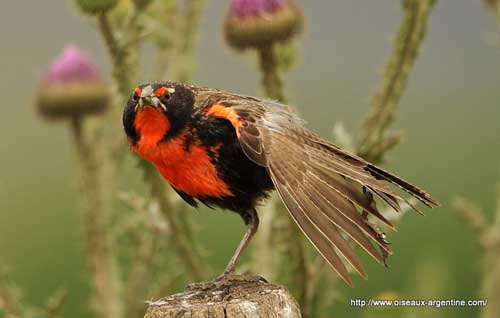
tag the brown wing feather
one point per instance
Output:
(325, 207)
(336, 207)
(325, 249)
(378, 173)
(320, 184)
(297, 176)
(349, 192)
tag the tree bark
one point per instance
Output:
(236, 301)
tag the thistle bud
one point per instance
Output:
(71, 87)
(259, 23)
(95, 7)
(493, 4)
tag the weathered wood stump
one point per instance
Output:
(246, 300)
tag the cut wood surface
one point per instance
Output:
(246, 300)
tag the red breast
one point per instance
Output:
(189, 170)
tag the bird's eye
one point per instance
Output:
(164, 93)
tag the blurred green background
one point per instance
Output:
(449, 114)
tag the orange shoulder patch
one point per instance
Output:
(222, 111)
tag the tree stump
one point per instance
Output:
(246, 300)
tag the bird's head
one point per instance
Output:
(157, 111)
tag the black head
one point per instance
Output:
(174, 101)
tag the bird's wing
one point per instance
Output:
(321, 185)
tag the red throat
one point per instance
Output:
(152, 125)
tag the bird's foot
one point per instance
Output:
(225, 280)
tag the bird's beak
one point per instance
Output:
(148, 98)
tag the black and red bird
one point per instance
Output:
(230, 150)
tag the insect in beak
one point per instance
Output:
(148, 98)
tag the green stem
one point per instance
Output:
(497, 11)
(494, 5)
(265, 257)
(300, 273)
(497, 211)
(108, 35)
(491, 265)
(491, 281)
(124, 63)
(105, 297)
(55, 305)
(271, 80)
(488, 238)
(384, 102)
(124, 72)
(9, 303)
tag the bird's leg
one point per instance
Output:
(251, 220)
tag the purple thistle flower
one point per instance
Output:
(260, 23)
(253, 8)
(71, 66)
(71, 87)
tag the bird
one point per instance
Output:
(230, 151)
